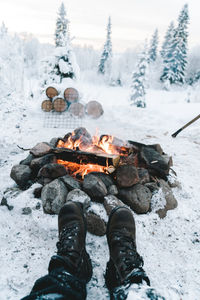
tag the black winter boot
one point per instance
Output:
(71, 244)
(125, 264)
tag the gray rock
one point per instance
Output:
(44, 180)
(52, 171)
(38, 205)
(95, 225)
(173, 183)
(79, 196)
(27, 160)
(21, 174)
(4, 202)
(37, 192)
(26, 211)
(54, 196)
(127, 176)
(99, 210)
(111, 202)
(40, 149)
(107, 179)
(171, 201)
(94, 187)
(143, 175)
(152, 186)
(113, 190)
(38, 163)
(70, 182)
(137, 197)
(53, 142)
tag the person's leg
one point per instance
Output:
(71, 268)
(125, 266)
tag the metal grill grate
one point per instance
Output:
(61, 120)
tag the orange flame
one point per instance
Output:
(96, 144)
(80, 169)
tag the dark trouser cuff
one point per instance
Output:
(59, 281)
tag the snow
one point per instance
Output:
(64, 68)
(98, 209)
(169, 246)
(158, 201)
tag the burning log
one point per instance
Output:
(59, 104)
(82, 157)
(47, 105)
(51, 92)
(71, 95)
(157, 164)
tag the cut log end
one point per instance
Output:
(47, 105)
(59, 105)
(94, 109)
(51, 92)
(71, 95)
(77, 110)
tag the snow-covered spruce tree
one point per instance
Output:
(65, 61)
(62, 64)
(138, 81)
(61, 26)
(167, 44)
(106, 57)
(175, 60)
(3, 30)
(153, 47)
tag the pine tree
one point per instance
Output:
(181, 35)
(138, 82)
(153, 47)
(61, 26)
(167, 41)
(175, 60)
(64, 67)
(106, 57)
(3, 30)
(63, 63)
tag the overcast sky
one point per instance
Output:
(132, 20)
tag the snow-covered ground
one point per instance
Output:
(170, 247)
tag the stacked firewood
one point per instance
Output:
(69, 101)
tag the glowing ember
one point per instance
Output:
(80, 169)
(81, 140)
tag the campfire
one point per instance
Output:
(90, 154)
(102, 169)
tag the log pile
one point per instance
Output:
(69, 101)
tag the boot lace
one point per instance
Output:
(128, 257)
(67, 240)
